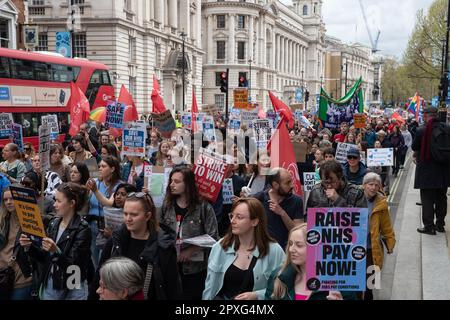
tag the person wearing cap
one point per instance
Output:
(432, 178)
(354, 169)
(384, 139)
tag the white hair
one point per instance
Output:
(122, 273)
(372, 177)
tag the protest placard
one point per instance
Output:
(304, 122)
(27, 211)
(164, 122)
(114, 114)
(380, 157)
(209, 133)
(210, 170)
(336, 249)
(227, 191)
(211, 110)
(388, 112)
(247, 117)
(241, 99)
(341, 151)
(272, 117)
(92, 166)
(186, 120)
(309, 180)
(52, 122)
(44, 147)
(234, 126)
(17, 134)
(6, 122)
(113, 217)
(156, 179)
(262, 132)
(134, 135)
(360, 120)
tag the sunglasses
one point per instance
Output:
(27, 149)
(352, 157)
(142, 195)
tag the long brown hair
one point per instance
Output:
(149, 206)
(279, 287)
(260, 233)
(3, 211)
(191, 191)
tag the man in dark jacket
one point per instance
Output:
(354, 169)
(432, 178)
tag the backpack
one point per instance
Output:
(440, 144)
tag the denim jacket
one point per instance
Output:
(220, 260)
(198, 222)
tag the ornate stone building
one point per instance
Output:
(270, 45)
(136, 39)
(12, 17)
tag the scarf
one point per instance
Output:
(425, 152)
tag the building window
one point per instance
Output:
(132, 86)
(43, 42)
(221, 22)
(194, 66)
(157, 55)
(241, 22)
(127, 5)
(132, 49)
(241, 50)
(79, 3)
(4, 33)
(305, 10)
(219, 100)
(79, 49)
(218, 79)
(220, 50)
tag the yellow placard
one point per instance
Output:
(360, 120)
(241, 99)
(28, 212)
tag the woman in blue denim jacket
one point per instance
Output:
(241, 263)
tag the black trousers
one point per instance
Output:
(434, 203)
(193, 285)
(397, 162)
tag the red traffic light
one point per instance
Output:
(223, 75)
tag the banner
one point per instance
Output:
(241, 99)
(164, 122)
(156, 179)
(262, 132)
(52, 122)
(6, 122)
(44, 147)
(334, 112)
(359, 120)
(17, 134)
(210, 170)
(336, 249)
(341, 151)
(227, 191)
(27, 211)
(114, 114)
(309, 180)
(134, 136)
(380, 157)
(64, 44)
(208, 128)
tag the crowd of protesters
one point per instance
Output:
(145, 257)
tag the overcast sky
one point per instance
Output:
(394, 18)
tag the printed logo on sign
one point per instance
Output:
(20, 100)
(4, 93)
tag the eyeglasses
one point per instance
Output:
(27, 149)
(352, 157)
(142, 195)
(238, 217)
(330, 181)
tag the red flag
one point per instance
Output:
(279, 106)
(398, 117)
(79, 109)
(158, 103)
(126, 98)
(261, 113)
(194, 110)
(282, 155)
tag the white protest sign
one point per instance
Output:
(186, 120)
(208, 128)
(157, 181)
(309, 180)
(44, 147)
(341, 151)
(305, 122)
(262, 132)
(380, 157)
(247, 117)
(234, 125)
(227, 191)
(134, 135)
(52, 122)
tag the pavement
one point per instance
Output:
(419, 268)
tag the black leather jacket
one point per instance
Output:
(159, 251)
(74, 244)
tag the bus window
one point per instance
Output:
(22, 69)
(42, 71)
(106, 78)
(63, 73)
(4, 68)
(99, 78)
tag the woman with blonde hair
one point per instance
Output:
(13, 168)
(162, 157)
(289, 281)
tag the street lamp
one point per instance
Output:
(183, 36)
(250, 82)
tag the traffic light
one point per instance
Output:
(224, 82)
(306, 96)
(243, 81)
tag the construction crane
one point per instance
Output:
(372, 42)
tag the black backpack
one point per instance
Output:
(440, 144)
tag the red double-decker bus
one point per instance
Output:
(36, 84)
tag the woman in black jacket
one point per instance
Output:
(149, 244)
(65, 254)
